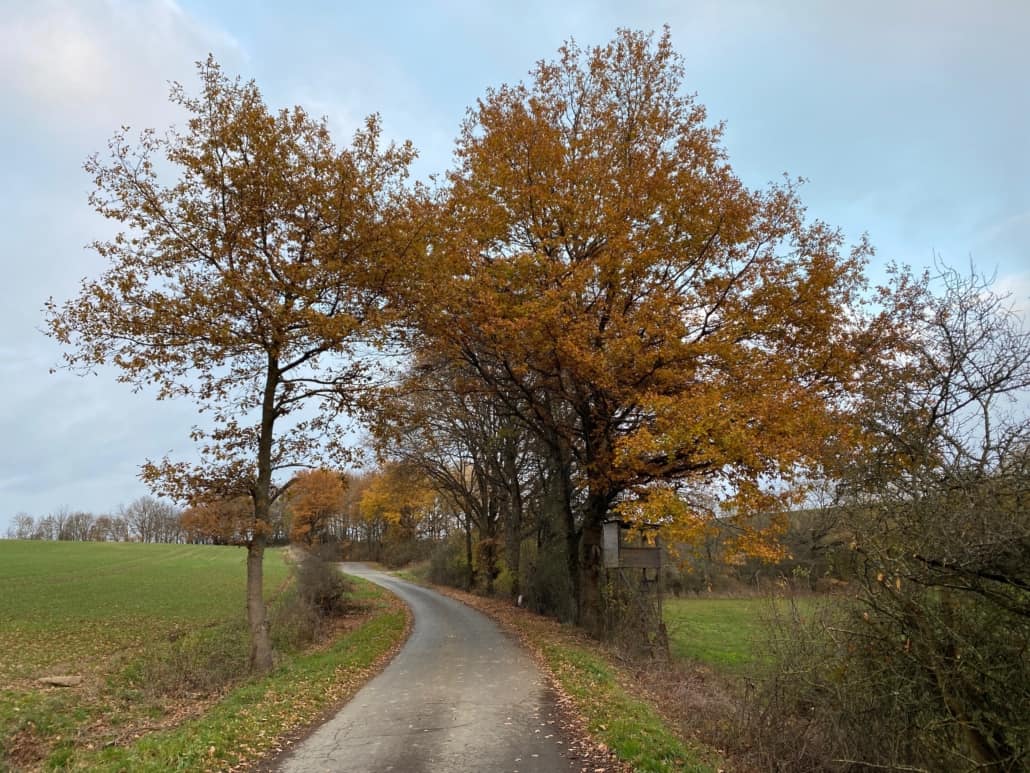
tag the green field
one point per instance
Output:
(134, 621)
(725, 633)
(75, 607)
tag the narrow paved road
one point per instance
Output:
(460, 696)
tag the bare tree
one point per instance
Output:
(151, 520)
(931, 667)
(22, 527)
(77, 526)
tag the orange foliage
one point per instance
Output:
(315, 497)
(651, 318)
(250, 283)
(221, 521)
(400, 497)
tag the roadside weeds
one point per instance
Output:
(609, 706)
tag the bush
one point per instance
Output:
(902, 678)
(929, 666)
(321, 587)
(547, 587)
(330, 552)
(401, 553)
(318, 595)
(201, 661)
(447, 563)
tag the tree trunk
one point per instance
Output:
(572, 535)
(514, 512)
(470, 571)
(488, 545)
(260, 643)
(513, 553)
(591, 601)
(590, 598)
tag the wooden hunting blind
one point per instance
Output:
(626, 547)
(632, 558)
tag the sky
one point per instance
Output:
(910, 120)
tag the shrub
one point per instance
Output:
(447, 563)
(929, 665)
(403, 552)
(900, 678)
(321, 587)
(303, 613)
(201, 661)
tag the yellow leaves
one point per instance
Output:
(746, 526)
(760, 543)
(398, 496)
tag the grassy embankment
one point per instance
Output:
(715, 644)
(156, 632)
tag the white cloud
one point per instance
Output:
(71, 72)
(67, 64)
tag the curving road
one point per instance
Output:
(460, 696)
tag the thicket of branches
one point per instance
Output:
(928, 669)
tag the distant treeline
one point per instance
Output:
(144, 520)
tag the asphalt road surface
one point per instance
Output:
(460, 696)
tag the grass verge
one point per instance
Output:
(259, 718)
(155, 636)
(615, 715)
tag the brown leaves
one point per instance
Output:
(251, 281)
(622, 291)
(221, 521)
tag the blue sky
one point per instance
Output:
(910, 119)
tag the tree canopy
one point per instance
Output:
(592, 275)
(252, 283)
(663, 329)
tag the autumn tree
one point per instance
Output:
(361, 539)
(399, 499)
(470, 449)
(226, 521)
(658, 326)
(251, 283)
(315, 498)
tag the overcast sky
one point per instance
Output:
(909, 118)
